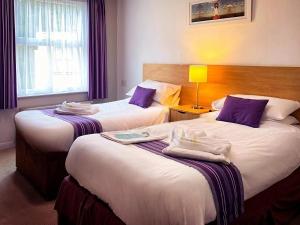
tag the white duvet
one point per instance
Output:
(144, 188)
(52, 134)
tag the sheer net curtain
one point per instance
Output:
(51, 46)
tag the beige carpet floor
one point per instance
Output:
(20, 204)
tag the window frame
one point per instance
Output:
(22, 42)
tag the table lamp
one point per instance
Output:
(198, 74)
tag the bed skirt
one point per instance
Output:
(45, 170)
(279, 204)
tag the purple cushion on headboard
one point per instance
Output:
(142, 97)
(243, 111)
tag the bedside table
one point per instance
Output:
(185, 112)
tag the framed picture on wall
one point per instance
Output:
(207, 11)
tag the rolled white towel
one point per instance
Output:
(76, 105)
(195, 144)
(197, 140)
(79, 113)
(187, 133)
(74, 108)
(192, 154)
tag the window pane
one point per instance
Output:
(51, 38)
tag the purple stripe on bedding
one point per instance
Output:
(82, 125)
(224, 180)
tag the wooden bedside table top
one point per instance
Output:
(189, 109)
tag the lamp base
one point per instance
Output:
(197, 107)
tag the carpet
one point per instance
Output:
(20, 203)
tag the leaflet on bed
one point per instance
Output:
(225, 182)
(132, 136)
(82, 125)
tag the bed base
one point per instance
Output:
(279, 204)
(45, 170)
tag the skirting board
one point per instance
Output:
(7, 145)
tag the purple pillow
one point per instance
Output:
(142, 97)
(243, 111)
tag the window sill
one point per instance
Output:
(51, 95)
(49, 100)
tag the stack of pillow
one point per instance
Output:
(148, 91)
(250, 110)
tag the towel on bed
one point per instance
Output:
(75, 108)
(195, 144)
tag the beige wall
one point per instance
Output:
(7, 127)
(157, 31)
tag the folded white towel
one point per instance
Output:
(192, 154)
(195, 139)
(196, 144)
(74, 108)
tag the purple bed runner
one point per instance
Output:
(225, 182)
(82, 125)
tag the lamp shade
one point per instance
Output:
(198, 73)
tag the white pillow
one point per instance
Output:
(290, 120)
(173, 100)
(163, 90)
(276, 109)
(218, 104)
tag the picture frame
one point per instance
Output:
(212, 11)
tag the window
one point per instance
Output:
(51, 46)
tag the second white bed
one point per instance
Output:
(52, 134)
(144, 188)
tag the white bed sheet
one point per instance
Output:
(52, 134)
(144, 188)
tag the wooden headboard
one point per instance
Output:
(283, 82)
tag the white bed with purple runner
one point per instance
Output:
(144, 187)
(47, 131)
(43, 138)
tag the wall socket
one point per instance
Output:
(123, 83)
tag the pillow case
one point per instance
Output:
(142, 97)
(290, 120)
(173, 100)
(243, 111)
(163, 90)
(276, 109)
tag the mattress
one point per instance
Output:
(166, 192)
(52, 134)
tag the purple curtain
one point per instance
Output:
(8, 92)
(97, 50)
